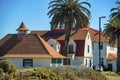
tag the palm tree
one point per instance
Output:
(112, 30)
(67, 14)
(115, 11)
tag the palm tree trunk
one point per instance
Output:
(118, 54)
(67, 38)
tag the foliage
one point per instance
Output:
(78, 73)
(71, 11)
(65, 72)
(39, 74)
(87, 73)
(7, 70)
(1, 74)
(7, 66)
(112, 30)
(115, 12)
(67, 14)
(110, 73)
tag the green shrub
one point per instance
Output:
(43, 73)
(65, 72)
(7, 67)
(78, 73)
(39, 74)
(87, 73)
(1, 74)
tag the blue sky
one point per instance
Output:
(34, 14)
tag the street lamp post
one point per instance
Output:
(100, 41)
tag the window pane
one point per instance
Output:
(101, 45)
(59, 61)
(53, 60)
(88, 49)
(27, 62)
(70, 48)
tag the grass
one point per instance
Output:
(109, 73)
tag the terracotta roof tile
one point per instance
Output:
(95, 35)
(76, 35)
(112, 56)
(30, 46)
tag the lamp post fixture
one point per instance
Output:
(100, 41)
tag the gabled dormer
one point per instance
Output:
(22, 29)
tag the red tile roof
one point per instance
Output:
(75, 35)
(95, 35)
(22, 27)
(112, 56)
(78, 36)
(31, 45)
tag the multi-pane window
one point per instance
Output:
(101, 45)
(27, 62)
(70, 48)
(56, 62)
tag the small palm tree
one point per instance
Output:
(67, 14)
(112, 30)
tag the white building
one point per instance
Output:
(28, 50)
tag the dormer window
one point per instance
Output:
(71, 49)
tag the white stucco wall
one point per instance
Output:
(88, 56)
(76, 61)
(88, 42)
(112, 49)
(37, 62)
(96, 53)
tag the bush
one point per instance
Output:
(1, 74)
(7, 67)
(39, 74)
(78, 73)
(87, 73)
(46, 74)
(65, 72)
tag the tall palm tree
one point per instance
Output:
(67, 14)
(115, 11)
(112, 30)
